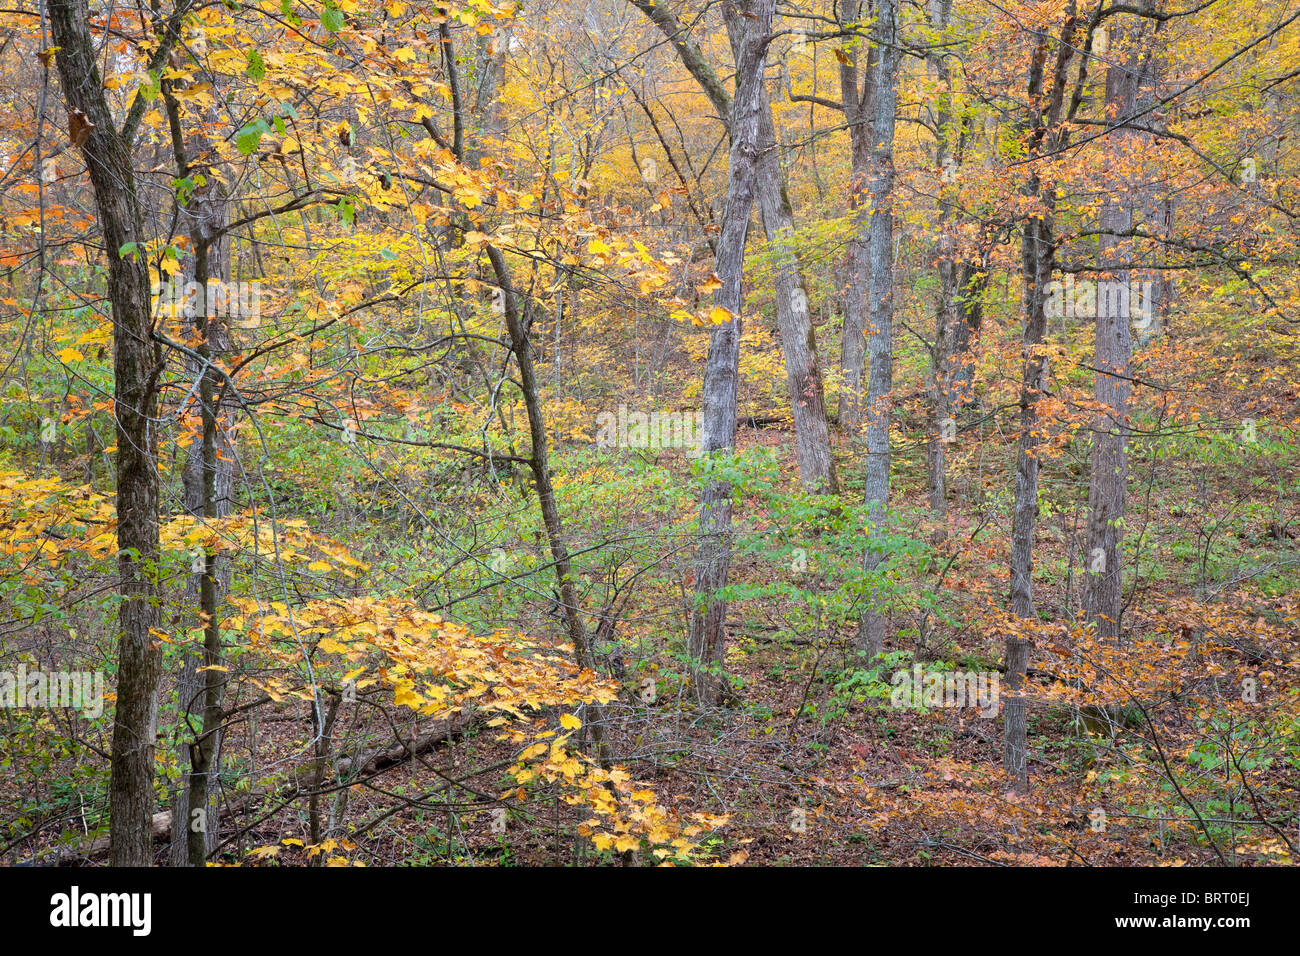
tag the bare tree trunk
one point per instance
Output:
(794, 320)
(1158, 203)
(803, 374)
(1108, 477)
(961, 284)
(857, 95)
(1038, 259)
(722, 367)
(942, 426)
(880, 345)
(207, 481)
(540, 465)
(136, 367)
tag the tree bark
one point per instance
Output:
(857, 96)
(794, 320)
(880, 347)
(207, 481)
(1108, 475)
(803, 373)
(722, 367)
(136, 367)
(1038, 259)
(942, 426)
(539, 461)
(970, 303)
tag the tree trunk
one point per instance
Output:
(942, 426)
(207, 481)
(794, 320)
(857, 95)
(803, 374)
(970, 305)
(541, 469)
(136, 367)
(880, 348)
(722, 367)
(1038, 259)
(1108, 478)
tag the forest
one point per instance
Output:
(631, 433)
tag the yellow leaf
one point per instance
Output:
(569, 722)
(69, 355)
(720, 316)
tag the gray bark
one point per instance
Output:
(1108, 476)
(947, 313)
(722, 367)
(794, 320)
(803, 374)
(880, 350)
(1127, 84)
(857, 95)
(970, 306)
(539, 462)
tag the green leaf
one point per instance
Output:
(331, 18)
(256, 68)
(246, 139)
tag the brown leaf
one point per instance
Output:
(46, 56)
(79, 127)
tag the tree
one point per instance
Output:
(859, 74)
(1108, 469)
(1046, 135)
(136, 366)
(207, 479)
(722, 369)
(880, 342)
(798, 339)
